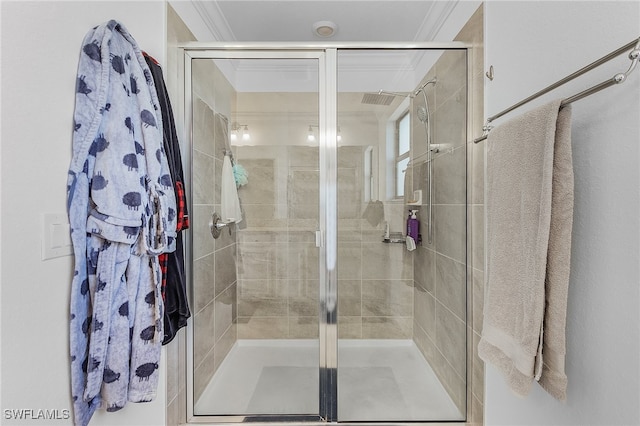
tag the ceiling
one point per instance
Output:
(355, 21)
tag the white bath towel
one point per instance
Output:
(229, 202)
(529, 220)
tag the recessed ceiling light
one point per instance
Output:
(325, 28)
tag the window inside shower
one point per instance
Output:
(272, 321)
(402, 144)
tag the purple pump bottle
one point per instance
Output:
(413, 226)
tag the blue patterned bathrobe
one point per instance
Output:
(121, 208)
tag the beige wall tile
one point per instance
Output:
(224, 345)
(387, 298)
(450, 118)
(256, 261)
(225, 311)
(303, 297)
(478, 299)
(203, 178)
(349, 327)
(203, 243)
(261, 188)
(450, 231)
(264, 216)
(203, 72)
(449, 177)
(302, 261)
(266, 297)
(261, 236)
(221, 129)
(451, 64)
(349, 297)
(451, 285)
(303, 156)
(217, 181)
(203, 282)
(263, 327)
(303, 211)
(204, 333)
(424, 269)
(303, 327)
(350, 231)
(387, 327)
(451, 338)
(297, 235)
(386, 261)
(349, 260)
(424, 342)
(349, 156)
(203, 127)
(202, 375)
(425, 311)
(225, 268)
(303, 186)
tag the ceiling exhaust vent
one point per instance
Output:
(377, 99)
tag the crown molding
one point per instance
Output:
(214, 19)
(435, 18)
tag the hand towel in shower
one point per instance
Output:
(529, 220)
(229, 202)
(374, 212)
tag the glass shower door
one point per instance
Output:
(256, 285)
(402, 309)
(308, 309)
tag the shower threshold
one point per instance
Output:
(378, 380)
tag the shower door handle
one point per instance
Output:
(319, 239)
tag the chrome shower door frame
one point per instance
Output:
(326, 237)
(327, 230)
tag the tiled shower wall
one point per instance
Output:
(214, 260)
(444, 314)
(278, 260)
(440, 285)
(277, 256)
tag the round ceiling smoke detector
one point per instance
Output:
(324, 28)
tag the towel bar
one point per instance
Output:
(216, 225)
(634, 57)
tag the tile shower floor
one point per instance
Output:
(378, 380)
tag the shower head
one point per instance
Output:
(421, 89)
(377, 98)
(383, 97)
(422, 114)
(423, 110)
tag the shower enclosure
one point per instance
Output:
(313, 307)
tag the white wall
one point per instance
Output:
(41, 43)
(531, 45)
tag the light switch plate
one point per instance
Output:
(56, 236)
